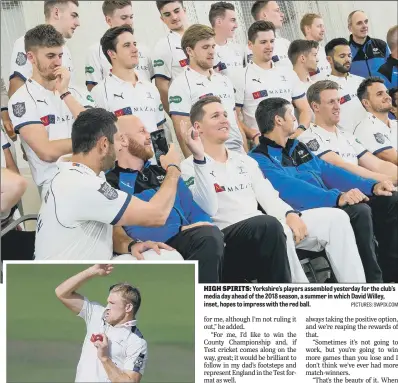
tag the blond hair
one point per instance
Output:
(194, 34)
(307, 20)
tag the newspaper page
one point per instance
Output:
(297, 333)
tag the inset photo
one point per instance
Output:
(100, 323)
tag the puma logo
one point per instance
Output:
(120, 96)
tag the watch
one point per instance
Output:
(131, 244)
(301, 126)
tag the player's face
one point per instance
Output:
(341, 59)
(139, 142)
(378, 98)
(229, 23)
(173, 15)
(274, 14)
(311, 60)
(69, 19)
(263, 46)
(317, 30)
(117, 309)
(46, 61)
(203, 53)
(289, 121)
(214, 126)
(121, 17)
(359, 25)
(329, 107)
(126, 51)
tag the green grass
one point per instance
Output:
(44, 338)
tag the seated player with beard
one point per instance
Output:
(188, 228)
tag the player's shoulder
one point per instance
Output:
(355, 78)
(180, 81)
(313, 132)
(20, 43)
(24, 93)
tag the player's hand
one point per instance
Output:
(193, 141)
(140, 247)
(100, 270)
(384, 188)
(172, 157)
(197, 224)
(352, 197)
(298, 227)
(8, 126)
(62, 79)
(102, 348)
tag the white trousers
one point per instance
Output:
(151, 255)
(329, 229)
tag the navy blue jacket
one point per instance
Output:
(389, 72)
(369, 57)
(144, 185)
(302, 179)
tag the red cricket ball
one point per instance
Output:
(96, 337)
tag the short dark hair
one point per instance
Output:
(267, 110)
(161, 4)
(315, 90)
(197, 112)
(362, 91)
(110, 6)
(329, 47)
(49, 4)
(218, 10)
(109, 39)
(90, 126)
(259, 26)
(43, 35)
(392, 93)
(300, 47)
(257, 7)
(194, 34)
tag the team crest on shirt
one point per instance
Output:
(313, 145)
(379, 138)
(21, 59)
(19, 109)
(108, 191)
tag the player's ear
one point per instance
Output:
(129, 307)
(30, 56)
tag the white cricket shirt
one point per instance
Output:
(98, 67)
(169, 60)
(323, 66)
(375, 135)
(230, 192)
(254, 84)
(76, 217)
(320, 141)
(228, 58)
(279, 57)
(33, 104)
(20, 65)
(351, 110)
(5, 144)
(122, 98)
(127, 347)
(190, 86)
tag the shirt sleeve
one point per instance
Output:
(93, 200)
(147, 61)
(136, 357)
(93, 70)
(315, 143)
(265, 193)
(238, 83)
(179, 96)
(22, 110)
(83, 97)
(372, 138)
(20, 66)
(162, 60)
(91, 311)
(356, 144)
(298, 89)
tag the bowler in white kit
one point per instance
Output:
(114, 350)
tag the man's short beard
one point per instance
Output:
(139, 151)
(203, 65)
(382, 110)
(340, 68)
(48, 77)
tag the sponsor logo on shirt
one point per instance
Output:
(89, 69)
(161, 107)
(119, 95)
(47, 120)
(190, 181)
(158, 63)
(19, 109)
(123, 112)
(260, 94)
(183, 62)
(345, 99)
(89, 98)
(139, 362)
(218, 188)
(175, 99)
